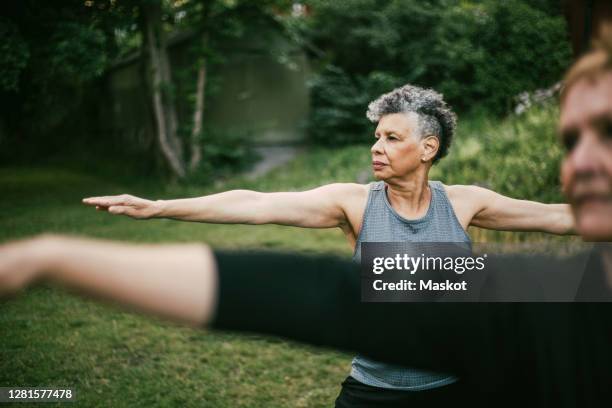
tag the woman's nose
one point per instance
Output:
(584, 157)
(377, 147)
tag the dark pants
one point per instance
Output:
(358, 395)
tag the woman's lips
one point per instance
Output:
(378, 165)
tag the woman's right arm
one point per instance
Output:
(322, 207)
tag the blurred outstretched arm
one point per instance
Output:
(177, 282)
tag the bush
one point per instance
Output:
(519, 157)
(339, 101)
(15, 54)
(479, 54)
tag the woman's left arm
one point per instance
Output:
(498, 212)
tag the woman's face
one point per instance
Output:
(586, 173)
(398, 149)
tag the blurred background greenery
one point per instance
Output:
(165, 99)
(184, 89)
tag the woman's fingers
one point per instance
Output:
(98, 202)
(108, 201)
(122, 205)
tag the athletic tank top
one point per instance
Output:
(381, 223)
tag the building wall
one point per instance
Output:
(259, 89)
(262, 96)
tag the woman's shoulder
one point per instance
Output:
(342, 192)
(461, 191)
(351, 189)
(467, 199)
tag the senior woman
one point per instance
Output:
(415, 129)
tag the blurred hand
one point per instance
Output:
(21, 262)
(125, 204)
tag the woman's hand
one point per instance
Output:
(126, 204)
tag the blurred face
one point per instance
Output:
(397, 151)
(586, 173)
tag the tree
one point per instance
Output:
(160, 87)
(55, 51)
(51, 51)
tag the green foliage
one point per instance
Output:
(74, 53)
(14, 55)
(55, 52)
(479, 54)
(52, 53)
(338, 105)
(62, 68)
(519, 157)
(495, 50)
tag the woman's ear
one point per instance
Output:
(430, 145)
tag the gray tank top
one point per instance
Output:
(381, 223)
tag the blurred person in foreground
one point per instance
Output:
(415, 128)
(531, 354)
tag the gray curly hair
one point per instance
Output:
(434, 116)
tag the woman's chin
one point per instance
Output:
(594, 226)
(379, 176)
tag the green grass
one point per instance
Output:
(117, 359)
(50, 337)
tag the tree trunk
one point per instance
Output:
(198, 111)
(160, 80)
(196, 146)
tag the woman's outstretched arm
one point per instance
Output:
(492, 210)
(322, 207)
(177, 282)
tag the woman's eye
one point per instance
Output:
(569, 141)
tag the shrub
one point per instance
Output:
(519, 157)
(479, 54)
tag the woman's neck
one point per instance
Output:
(410, 196)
